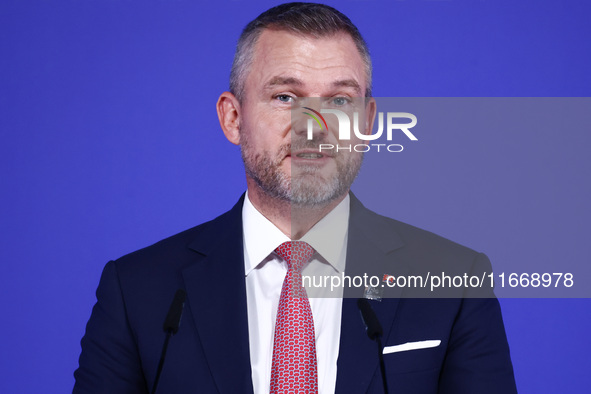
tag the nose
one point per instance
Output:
(307, 121)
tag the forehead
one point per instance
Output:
(313, 61)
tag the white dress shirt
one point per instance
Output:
(265, 272)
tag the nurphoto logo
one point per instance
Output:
(396, 122)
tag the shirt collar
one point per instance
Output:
(327, 237)
(261, 237)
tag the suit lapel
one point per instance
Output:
(370, 250)
(217, 298)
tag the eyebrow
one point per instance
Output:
(348, 83)
(282, 81)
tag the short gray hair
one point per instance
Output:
(312, 19)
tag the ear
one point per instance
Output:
(370, 115)
(228, 109)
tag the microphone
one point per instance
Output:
(370, 320)
(171, 327)
(173, 319)
(374, 332)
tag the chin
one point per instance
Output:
(314, 193)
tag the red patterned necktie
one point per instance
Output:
(294, 367)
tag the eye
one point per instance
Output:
(340, 101)
(284, 98)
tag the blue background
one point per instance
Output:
(110, 142)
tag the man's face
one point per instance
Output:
(278, 157)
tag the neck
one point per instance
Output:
(291, 219)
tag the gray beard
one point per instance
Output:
(305, 188)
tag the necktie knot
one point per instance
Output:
(295, 253)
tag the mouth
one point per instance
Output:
(309, 154)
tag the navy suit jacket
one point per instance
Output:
(210, 353)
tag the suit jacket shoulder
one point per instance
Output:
(124, 335)
(406, 249)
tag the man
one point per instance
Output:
(239, 269)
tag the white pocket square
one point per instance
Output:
(411, 346)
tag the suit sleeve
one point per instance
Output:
(478, 359)
(109, 362)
